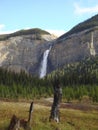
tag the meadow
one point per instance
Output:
(73, 116)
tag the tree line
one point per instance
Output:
(77, 80)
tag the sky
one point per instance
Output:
(55, 16)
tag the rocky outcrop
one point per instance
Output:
(24, 49)
(24, 52)
(73, 48)
(75, 45)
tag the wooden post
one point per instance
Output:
(56, 102)
(30, 113)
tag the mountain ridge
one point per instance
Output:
(36, 31)
(75, 45)
(18, 51)
(87, 24)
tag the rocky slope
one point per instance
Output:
(23, 50)
(79, 43)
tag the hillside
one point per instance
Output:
(79, 73)
(36, 31)
(77, 79)
(88, 24)
(79, 43)
(24, 50)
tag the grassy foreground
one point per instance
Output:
(71, 118)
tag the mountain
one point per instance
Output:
(23, 49)
(36, 31)
(86, 25)
(80, 43)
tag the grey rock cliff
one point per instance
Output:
(24, 49)
(24, 52)
(73, 48)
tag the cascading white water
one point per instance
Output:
(43, 69)
(92, 49)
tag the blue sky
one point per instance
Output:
(56, 16)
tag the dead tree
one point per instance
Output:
(16, 123)
(30, 113)
(55, 115)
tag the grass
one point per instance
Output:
(71, 119)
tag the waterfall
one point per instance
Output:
(43, 69)
(92, 49)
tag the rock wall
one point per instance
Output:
(71, 49)
(23, 52)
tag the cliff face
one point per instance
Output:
(79, 43)
(74, 48)
(24, 52)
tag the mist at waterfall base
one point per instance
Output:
(43, 69)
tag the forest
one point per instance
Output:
(78, 80)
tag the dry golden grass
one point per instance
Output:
(71, 119)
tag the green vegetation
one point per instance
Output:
(71, 119)
(90, 23)
(16, 86)
(78, 80)
(35, 31)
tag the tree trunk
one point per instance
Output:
(14, 123)
(30, 113)
(55, 115)
(17, 124)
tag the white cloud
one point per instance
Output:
(7, 32)
(56, 32)
(2, 31)
(83, 10)
(1, 26)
